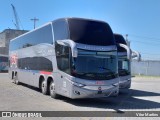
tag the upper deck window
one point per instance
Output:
(41, 35)
(60, 28)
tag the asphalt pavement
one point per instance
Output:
(144, 95)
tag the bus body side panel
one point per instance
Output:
(31, 54)
(31, 62)
(63, 83)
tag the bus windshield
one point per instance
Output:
(95, 65)
(90, 32)
(123, 66)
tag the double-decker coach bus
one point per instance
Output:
(124, 62)
(72, 57)
(3, 63)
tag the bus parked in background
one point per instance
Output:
(72, 57)
(124, 63)
(3, 63)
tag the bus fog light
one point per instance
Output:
(77, 92)
(116, 84)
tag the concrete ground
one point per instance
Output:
(144, 95)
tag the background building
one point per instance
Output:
(6, 36)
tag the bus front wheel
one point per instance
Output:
(52, 90)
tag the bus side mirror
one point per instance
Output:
(128, 50)
(60, 42)
(137, 55)
(71, 44)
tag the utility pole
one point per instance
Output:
(35, 20)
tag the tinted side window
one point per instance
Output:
(35, 63)
(42, 35)
(120, 39)
(63, 58)
(60, 30)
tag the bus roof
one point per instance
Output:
(76, 18)
(55, 21)
(104, 40)
(119, 39)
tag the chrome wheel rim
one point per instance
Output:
(52, 88)
(43, 86)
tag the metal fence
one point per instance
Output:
(145, 67)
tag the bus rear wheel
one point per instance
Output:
(52, 90)
(44, 88)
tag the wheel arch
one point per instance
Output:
(49, 80)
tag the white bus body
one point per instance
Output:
(125, 55)
(72, 57)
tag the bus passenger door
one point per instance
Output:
(63, 59)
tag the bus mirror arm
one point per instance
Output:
(71, 44)
(136, 54)
(128, 50)
(60, 42)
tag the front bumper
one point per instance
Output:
(125, 84)
(80, 92)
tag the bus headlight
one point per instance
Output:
(78, 84)
(115, 84)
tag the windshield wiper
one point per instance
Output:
(105, 68)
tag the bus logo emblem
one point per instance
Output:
(14, 59)
(99, 88)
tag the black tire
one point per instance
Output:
(53, 94)
(44, 87)
(16, 81)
